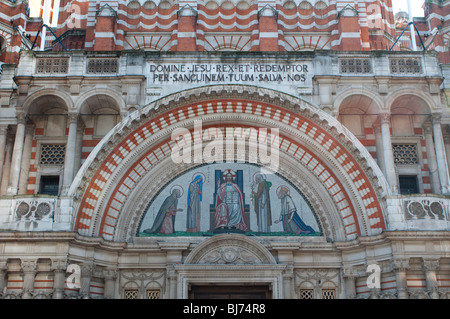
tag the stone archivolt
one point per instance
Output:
(333, 159)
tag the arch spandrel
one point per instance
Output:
(346, 173)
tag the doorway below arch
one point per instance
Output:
(218, 291)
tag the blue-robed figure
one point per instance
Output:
(194, 197)
(292, 223)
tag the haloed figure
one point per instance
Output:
(262, 204)
(165, 219)
(193, 204)
(292, 223)
(230, 205)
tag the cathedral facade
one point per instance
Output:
(224, 149)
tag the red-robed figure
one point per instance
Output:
(230, 205)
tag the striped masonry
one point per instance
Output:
(88, 208)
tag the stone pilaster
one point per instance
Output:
(430, 266)
(59, 268)
(400, 266)
(29, 269)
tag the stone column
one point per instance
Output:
(447, 148)
(440, 155)
(7, 165)
(78, 152)
(26, 158)
(172, 277)
(3, 272)
(17, 155)
(110, 283)
(379, 146)
(388, 154)
(85, 281)
(288, 282)
(400, 266)
(69, 160)
(430, 266)
(3, 134)
(29, 268)
(431, 159)
(350, 276)
(59, 268)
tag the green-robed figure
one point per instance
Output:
(165, 219)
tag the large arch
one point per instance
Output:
(317, 154)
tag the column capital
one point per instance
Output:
(110, 273)
(21, 117)
(427, 129)
(350, 273)
(4, 129)
(436, 118)
(59, 264)
(385, 118)
(29, 266)
(400, 264)
(431, 264)
(73, 117)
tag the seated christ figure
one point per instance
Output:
(230, 205)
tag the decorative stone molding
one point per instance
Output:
(230, 249)
(34, 209)
(425, 208)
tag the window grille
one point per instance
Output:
(405, 66)
(405, 153)
(99, 66)
(355, 66)
(306, 293)
(328, 294)
(153, 294)
(52, 154)
(52, 65)
(131, 294)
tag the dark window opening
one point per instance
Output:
(408, 185)
(49, 185)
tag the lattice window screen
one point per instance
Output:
(328, 294)
(153, 294)
(52, 154)
(106, 65)
(355, 66)
(52, 65)
(131, 293)
(405, 66)
(405, 153)
(306, 293)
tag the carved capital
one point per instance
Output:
(87, 270)
(427, 129)
(29, 266)
(3, 129)
(436, 118)
(400, 264)
(110, 273)
(21, 118)
(59, 265)
(430, 264)
(385, 118)
(73, 118)
(350, 273)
